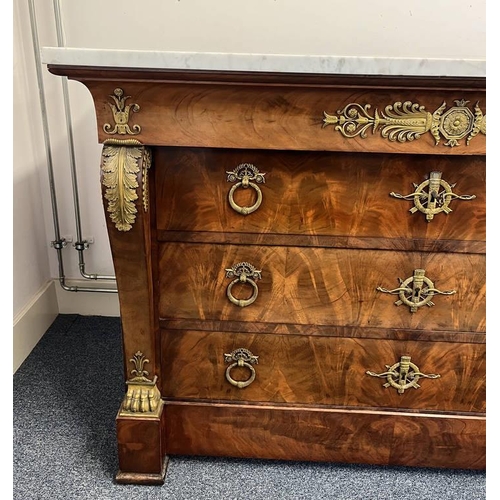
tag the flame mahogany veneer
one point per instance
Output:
(325, 236)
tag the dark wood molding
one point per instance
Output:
(323, 241)
(96, 73)
(323, 330)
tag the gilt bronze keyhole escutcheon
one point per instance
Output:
(432, 196)
(402, 375)
(243, 358)
(245, 176)
(416, 291)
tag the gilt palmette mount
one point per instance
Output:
(143, 396)
(407, 121)
(121, 114)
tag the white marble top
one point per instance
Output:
(263, 62)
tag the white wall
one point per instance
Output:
(397, 28)
(34, 295)
(31, 245)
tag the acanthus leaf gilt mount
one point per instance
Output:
(119, 173)
(407, 121)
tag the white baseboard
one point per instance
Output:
(33, 321)
(88, 303)
(35, 318)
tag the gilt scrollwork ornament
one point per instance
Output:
(143, 397)
(432, 196)
(416, 291)
(121, 114)
(408, 121)
(120, 169)
(402, 375)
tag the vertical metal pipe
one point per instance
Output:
(59, 242)
(80, 244)
(45, 124)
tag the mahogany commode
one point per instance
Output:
(300, 262)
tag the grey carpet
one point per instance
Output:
(66, 395)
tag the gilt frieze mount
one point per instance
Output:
(121, 114)
(407, 121)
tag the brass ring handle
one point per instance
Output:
(243, 302)
(245, 210)
(240, 384)
(243, 272)
(245, 175)
(241, 357)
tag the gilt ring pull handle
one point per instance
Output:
(245, 175)
(243, 272)
(241, 357)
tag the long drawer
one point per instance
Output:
(322, 434)
(320, 286)
(323, 194)
(342, 372)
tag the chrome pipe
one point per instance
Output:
(59, 243)
(45, 124)
(80, 245)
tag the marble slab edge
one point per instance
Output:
(275, 63)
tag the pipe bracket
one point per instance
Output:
(58, 244)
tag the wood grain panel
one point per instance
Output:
(271, 116)
(326, 435)
(458, 442)
(193, 281)
(135, 259)
(322, 370)
(324, 194)
(318, 286)
(141, 450)
(340, 287)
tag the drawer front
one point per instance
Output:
(318, 286)
(323, 194)
(324, 435)
(323, 370)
